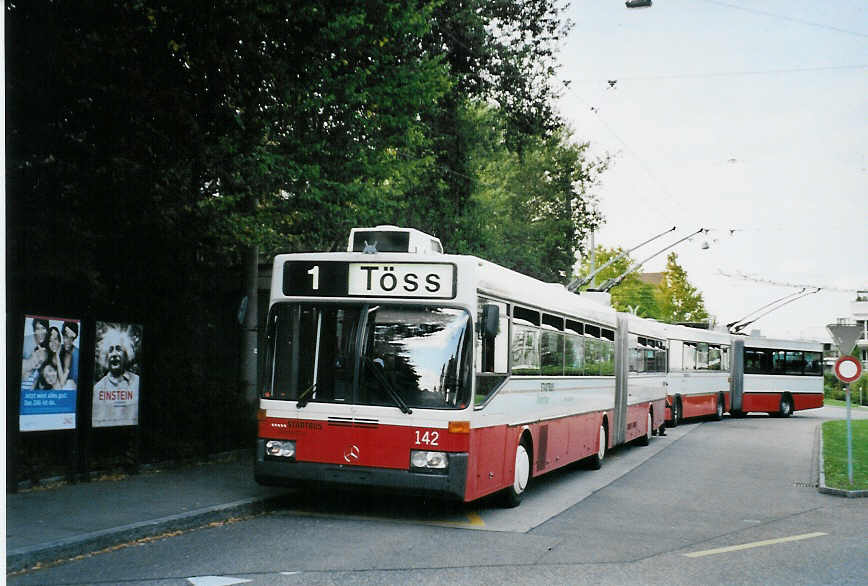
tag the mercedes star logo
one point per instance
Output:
(351, 454)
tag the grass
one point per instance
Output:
(835, 454)
(837, 403)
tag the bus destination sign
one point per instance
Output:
(373, 279)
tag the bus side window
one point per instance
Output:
(491, 351)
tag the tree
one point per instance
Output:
(535, 209)
(150, 144)
(153, 146)
(632, 295)
(500, 54)
(679, 300)
(673, 300)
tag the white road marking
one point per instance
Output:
(216, 580)
(699, 554)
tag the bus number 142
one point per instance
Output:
(428, 438)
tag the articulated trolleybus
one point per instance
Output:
(699, 373)
(396, 366)
(776, 376)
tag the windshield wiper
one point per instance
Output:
(305, 396)
(377, 370)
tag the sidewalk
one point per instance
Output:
(50, 524)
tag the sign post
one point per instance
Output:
(847, 370)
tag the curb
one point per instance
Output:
(27, 557)
(822, 488)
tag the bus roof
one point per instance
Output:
(776, 344)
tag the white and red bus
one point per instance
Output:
(394, 365)
(776, 376)
(699, 373)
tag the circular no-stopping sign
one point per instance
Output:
(848, 369)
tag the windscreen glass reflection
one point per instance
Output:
(368, 354)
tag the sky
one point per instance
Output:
(749, 119)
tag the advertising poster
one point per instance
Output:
(116, 374)
(49, 373)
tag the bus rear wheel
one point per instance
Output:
(596, 461)
(646, 439)
(786, 408)
(512, 495)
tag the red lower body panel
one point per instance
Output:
(771, 402)
(348, 449)
(761, 402)
(556, 442)
(807, 401)
(698, 405)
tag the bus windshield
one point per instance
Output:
(404, 356)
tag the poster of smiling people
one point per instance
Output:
(116, 374)
(49, 373)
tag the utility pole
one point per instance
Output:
(848, 369)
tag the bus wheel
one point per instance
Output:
(596, 460)
(513, 494)
(786, 406)
(646, 439)
(718, 414)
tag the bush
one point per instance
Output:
(834, 389)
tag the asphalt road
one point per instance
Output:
(730, 502)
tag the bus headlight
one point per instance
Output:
(428, 460)
(280, 448)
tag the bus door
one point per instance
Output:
(618, 427)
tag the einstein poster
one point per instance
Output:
(116, 375)
(49, 373)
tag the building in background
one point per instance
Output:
(859, 316)
(859, 309)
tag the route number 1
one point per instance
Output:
(314, 272)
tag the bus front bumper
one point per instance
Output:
(274, 472)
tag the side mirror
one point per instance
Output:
(490, 320)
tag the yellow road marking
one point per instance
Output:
(699, 554)
(474, 518)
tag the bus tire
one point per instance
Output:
(595, 462)
(675, 409)
(644, 440)
(786, 408)
(513, 494)
(718, 413)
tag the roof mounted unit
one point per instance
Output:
(393, 239)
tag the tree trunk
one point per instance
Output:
(249, 334)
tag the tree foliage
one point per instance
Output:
(534, 207)
(673, 300)
(679, 300)
(149, 143)
(632, 295)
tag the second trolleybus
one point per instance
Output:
(776, 376)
